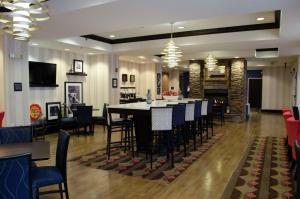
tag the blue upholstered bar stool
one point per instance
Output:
(161, 122)
(190, 122)
(179, 124)
(198, 118)
(15, 176)
(204, 115)
(122, 125)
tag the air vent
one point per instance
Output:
(266, 52)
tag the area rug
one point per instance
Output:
(123, 163)
(263, 172)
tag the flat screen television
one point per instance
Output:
(42, 74)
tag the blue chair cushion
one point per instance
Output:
(99, 119)
(67, 120)
(44, 176)
(120, 121)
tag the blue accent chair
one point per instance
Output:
(101, 120)
(51, 175)
(15, 178)
(9, 135)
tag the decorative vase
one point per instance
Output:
(149, 97)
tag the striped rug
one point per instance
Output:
(124, 164)
(263, 172)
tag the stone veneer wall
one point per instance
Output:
(237, 89)
(236, 85)
(196, 80)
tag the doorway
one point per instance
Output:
(255, 92)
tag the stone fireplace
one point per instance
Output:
(231, 91)
(218, 96)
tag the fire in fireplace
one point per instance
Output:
(219, 96)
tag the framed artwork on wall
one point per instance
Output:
(132, 78)
(52, 110)
(124, 77)
(73, 93)
(78, 66)
(114, 82)
(158, 84)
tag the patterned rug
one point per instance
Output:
(161, 170)
(263, 172)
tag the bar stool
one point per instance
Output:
(190, 122)
(210, 115)
(204, 117)
(119, 125)
(178, 120)
(161, 122)
(198, 118)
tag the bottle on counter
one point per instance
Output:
(149, 97)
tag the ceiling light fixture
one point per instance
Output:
(181, 27)
(112, 36)
(67, 49)
(34, 44)
(23, 18)
(211, 62)
(171, 53)
(260, 18)
(91, 53)
(236, 57)
(141, 57)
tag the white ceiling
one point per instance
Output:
(72, 18)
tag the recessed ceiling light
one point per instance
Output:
(193, 59)
(154, 60)
(112, 36)
(141, 57)
(236, 57)
(67, 49)
(91, 53)
(142, 62)
(34, 44)
(181, 27)
(260, 18)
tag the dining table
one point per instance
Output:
(141, 116)
(40, 150)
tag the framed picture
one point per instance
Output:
(132, 78)
(124, 77)
(52, 110)
(158, 84)
(78, 66)
(73, 93)
(114, 82)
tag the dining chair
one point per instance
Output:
(162, 122)
(296, 112)
(84, 118)
(9, 135)
(101, 120)
(1, 118)
(15, 176)
(51, 175)
(190, 122)
(210, 115)
(121, 125)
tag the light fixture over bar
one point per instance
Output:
(23, 18)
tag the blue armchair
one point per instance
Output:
(15, 178)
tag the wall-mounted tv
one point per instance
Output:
(42, 74)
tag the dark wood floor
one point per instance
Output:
(205, 179)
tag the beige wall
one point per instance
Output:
(95, 84)
(277, 88)
(145, 77)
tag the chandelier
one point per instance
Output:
(171, 53)
(211, 62)
(23, 17)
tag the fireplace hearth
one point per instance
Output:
(218, 96)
